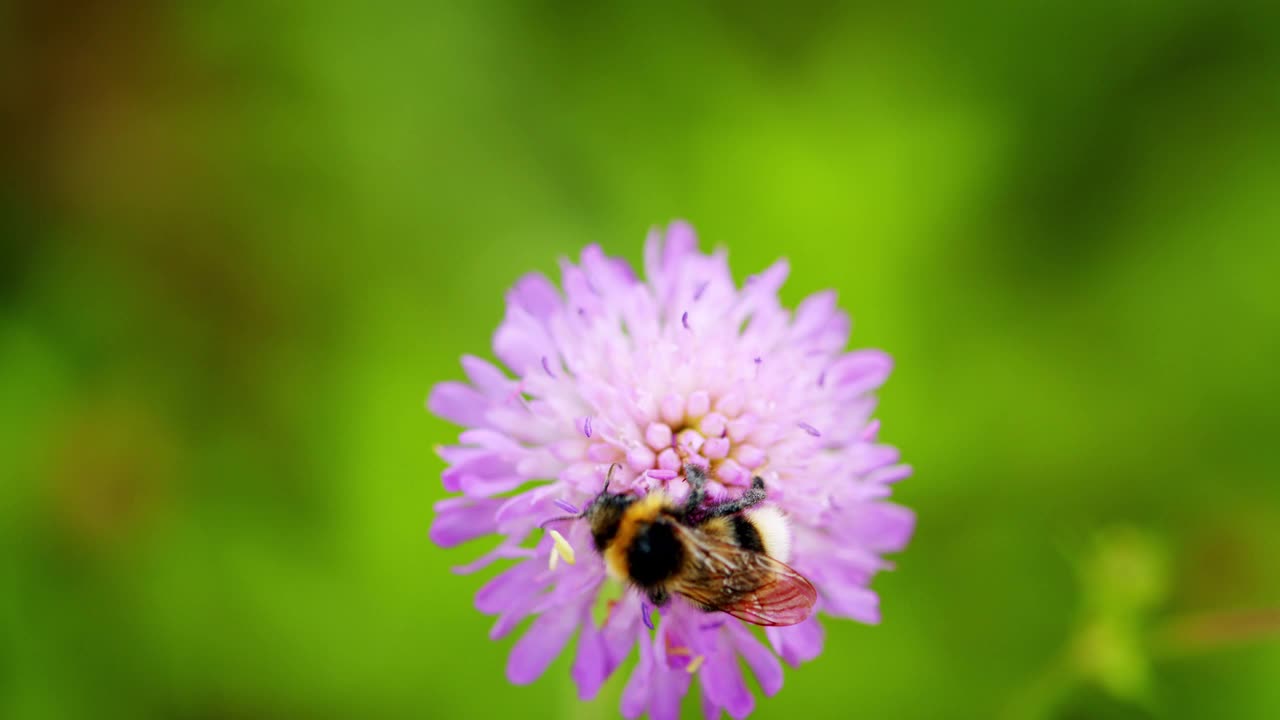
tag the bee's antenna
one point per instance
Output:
(543, 525)
(609, 478)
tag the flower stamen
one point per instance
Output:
(695, 663)
(560, 548)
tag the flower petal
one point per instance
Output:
(860, 371)
(710, 710)
(541, 643)
(591, 667)
(763, 663)
(481, 475)
(505, 588)
(461, 519)
(854, 602)
(880, 526)
(682, 241)
(635, 696)
(458, 403)
(669, 686)
(536, 295)
(813, 313)
(521, 342)
(722, 681)
(797, 643)
(502, 552)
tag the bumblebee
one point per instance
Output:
(727, 557)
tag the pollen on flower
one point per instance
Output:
(695, 663)
(560, 548)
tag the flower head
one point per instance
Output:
(681, 367)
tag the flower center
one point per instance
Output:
(715, 433)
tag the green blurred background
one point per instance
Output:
(240, 240)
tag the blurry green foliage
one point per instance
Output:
(1123, 581)
(239, 241)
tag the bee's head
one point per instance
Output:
(604, 512)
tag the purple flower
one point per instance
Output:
(684, 366)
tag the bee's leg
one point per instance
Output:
(658, 597)
(749, 499)
(697, 479)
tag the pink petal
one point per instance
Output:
(478, 472)
(865, 457)
(510, 585)
(486, 377)
(881, 526)
(521, 342)
(612, 275)
(532, 502)
(857, 603)
(461, 519)
(797, 643)
(682, 241)
(578, 287)
(591, 666)
(890, 475)
(459, 403)
(483, 487)
(722, 681)
(653, 257)
(813, 313)
(669, 687)
(860, 371)
(763, 663)
(541, 643)
(635, 696)
(710, 710)
(536, 295)
(502, 552)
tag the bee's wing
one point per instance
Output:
(746, 584)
